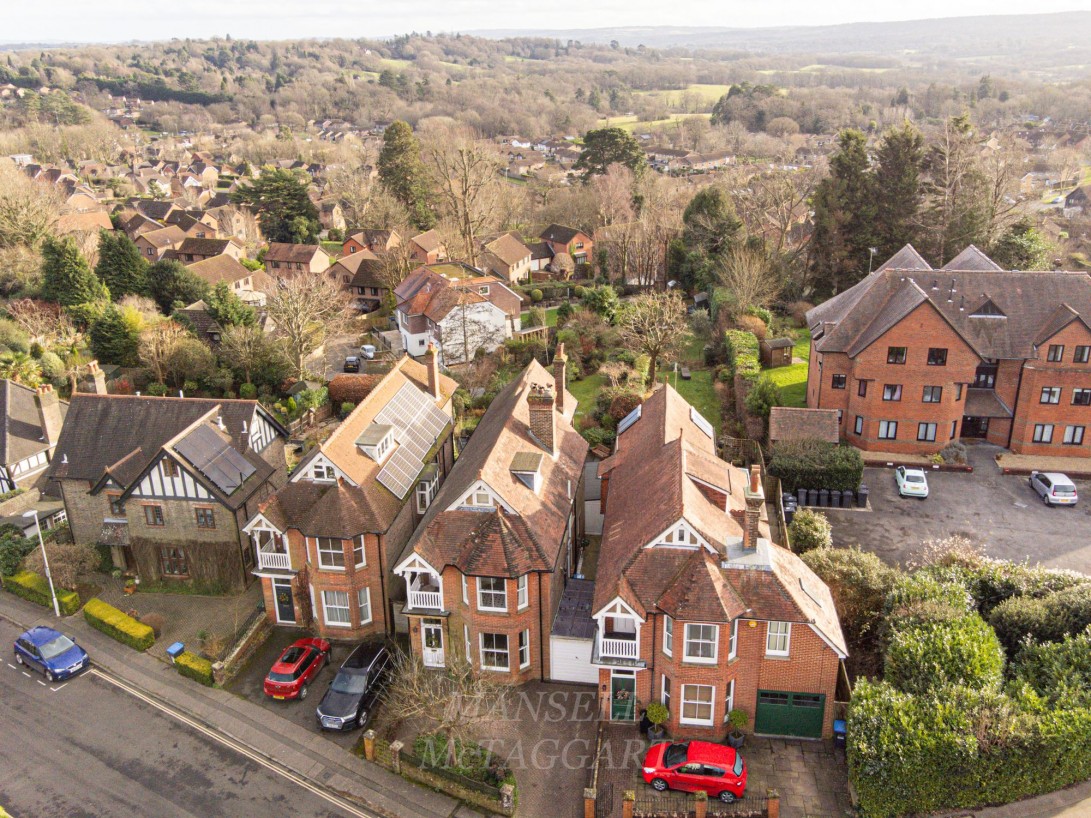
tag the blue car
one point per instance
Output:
(54, 654)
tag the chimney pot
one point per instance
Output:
(432, 363)
(560, 371)
(754, 495)
(49, 414)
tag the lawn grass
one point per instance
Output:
(550, 316)
(792, 381)
(802, 348)
(633, 122)
(708, 94)
(585, 391)
(698, 392)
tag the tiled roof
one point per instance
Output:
(428, 241)
(220, 268)
(21, 434)
(508, 249)
(559, 234)
(204, 247)
(794, 423)
(292, 253)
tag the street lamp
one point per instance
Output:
(871, 258)
(45, 560)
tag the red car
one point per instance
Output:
(696, 765)
(296, 668)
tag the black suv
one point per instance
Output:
(355, 690)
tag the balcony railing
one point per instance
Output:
(619, 648)
(428, 600)
(274, 559)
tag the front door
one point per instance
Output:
(622, 698)
(432, 642)
(282, 592)
(973, 427)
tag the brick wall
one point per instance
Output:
(350, 580)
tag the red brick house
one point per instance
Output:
(325, 543)
(282, 260)
(571, 240)
(693, 604)
(913, 357)
(427, 248)
(489, 562)
(375, 241)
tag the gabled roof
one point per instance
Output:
(560, 234)
(795, 423)
(428, 241)
(906, 259)
(204, 247)
(21, 434)
(508, 249)
(220, 268)
(971, 259)
(1061, 318)
(164, 236)
(293, 253)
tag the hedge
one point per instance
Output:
(118, 625)
(1059, 672)
(194, 667)
(742, 354)
(1045, 619)
(816, 464)
(928, 657)
(35, 587)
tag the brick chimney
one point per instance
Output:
(49, 414)
(96, 379)
(755, 499)
(560, 370)
(540, 401)
(432, 363)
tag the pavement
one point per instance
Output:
(1001, 513)
(284, 746)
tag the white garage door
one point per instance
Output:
(570, 660)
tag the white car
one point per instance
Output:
(911, 482)
(368, 351)
(1054, 488)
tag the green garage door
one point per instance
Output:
(781, 713)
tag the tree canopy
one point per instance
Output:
(120, 265)
(66, 276)
(172, 285)
(403, 174)
(280, 199)
(610, 146)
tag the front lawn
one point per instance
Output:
(792, 381)
(698, 392)
(802, 348)
(550, 318)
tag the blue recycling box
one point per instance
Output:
(175, 650)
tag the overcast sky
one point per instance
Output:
(120, 20)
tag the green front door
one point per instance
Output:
(622, 698)
(781, 713)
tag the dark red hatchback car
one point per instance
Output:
(696, 765)
(296, 668)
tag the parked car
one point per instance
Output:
(911, 482)
(352, 364)
(55, 655)
(696, 766)
(291, 674)
(356, 688)
(1054, 488)
(368, 351)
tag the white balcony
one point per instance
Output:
(426, 600)
(274, 559)
(272, 550)
(619, 648)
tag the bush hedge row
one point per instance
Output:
(742, 354)
(927, 657)
(1044, 619)
(194, 667)
(816, 464)
(118, 625)
(35, 587)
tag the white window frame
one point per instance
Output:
(469, 649)
(326, 606)
(323, 472)
(465, 590)
(481, 591)
(701, 640)
(507, 652)
(711, 702)
(1071, 433)
(777, 630)
(426, 493)
(320, 551)
(668, 636)
(478, 499)
(1050, 395)
(733, 642)
(359, 552)
(665, 691)
(1043, 433)
(524, 648)
(729, 700)
(363, 603)
(521, 593)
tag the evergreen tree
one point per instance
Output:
(710, 228)
(115, 338)
(898, 189)
(402, 173)
(284, 208)
(66, 276)
(956, 194)
(609, 146)
(228, 309)
(844, 217)
(120, 265)
(172, 285)
(1022, 247)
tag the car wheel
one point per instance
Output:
(361, 720)
(659, 785)
(727, 796)
(49, 676)
(1045, 499)
(19, 658)
(303, 692)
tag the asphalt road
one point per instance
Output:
(1001, 513)
(87, 748)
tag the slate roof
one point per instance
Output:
(560, 234)
(1035, 306)
(292, 253)
(574, 612)
(502, 543)
(203, 247)
(220, 268)
(794, 423)
(21, 434)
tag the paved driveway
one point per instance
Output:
(999, 512)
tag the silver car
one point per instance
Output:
(1054, 488)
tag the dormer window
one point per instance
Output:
(478, 499)
(323, 471)
(527, 468)
(426, 488)
(681, 536)
(377, 441)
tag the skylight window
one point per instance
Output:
(700, 422)
(629, 419)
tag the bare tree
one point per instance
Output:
(42, 321)
(306, 309)
(244, 346)
(655, 324)
(747, 273)
(157, 344)
(28, 209)
(351, 184)
(453, 700)
(614, 192)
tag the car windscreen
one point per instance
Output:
(353, 683)
(675, 754)
(56, 647)
(737, 769)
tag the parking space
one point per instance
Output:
(999, 512)
(248, 684)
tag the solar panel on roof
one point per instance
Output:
(417, 423)
(215, 458)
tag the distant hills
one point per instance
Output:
(985, 36)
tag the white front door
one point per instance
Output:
(432, 642)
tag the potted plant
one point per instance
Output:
(657, 713)
(130, 585)
(738, 721)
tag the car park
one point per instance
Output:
(367, 351)
(1054, 488)
(54, 655)
(356, 689)
(292, 673)
(352, 364)
(911, 482)
(696, 766)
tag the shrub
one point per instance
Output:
(564, 312)
(798, 310)
(1045, 619)
(1059, 672)
(35, 588)
(67, 562)
(597, 436)
(657, 713)
(763, 397)
(816, 464)
(194, 667)
(157, 390)
(953, 452)
(155, 622)
(536, 295)
(579, 291)
(536, 317)
(921, 597)
(754, 325)
(761, 313)
(346, 408)
(926, 657)
(13, 549)
(118, 625)
(52, 366)
(248, 391)
(741, 349)
(809, 530)
(351, 388)
(622, 404)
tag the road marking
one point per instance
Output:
(26, 674)
(13, 667)
(55, 689)
(43, 684)
(238, 747)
